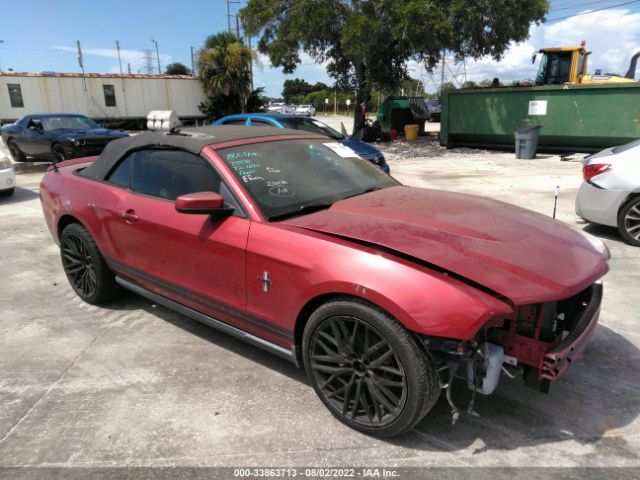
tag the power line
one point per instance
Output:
(592, 11)
(571, 7)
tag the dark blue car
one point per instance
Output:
(363, 149)
(56, 136)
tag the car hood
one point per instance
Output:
(89, 133)
(519, 254)
(361, 148)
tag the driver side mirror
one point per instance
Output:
(203, 203)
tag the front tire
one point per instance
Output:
(15, 151)
(85, 266)
(367, 369)
(58, 153)
(629, 222)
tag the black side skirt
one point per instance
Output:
(210, 321)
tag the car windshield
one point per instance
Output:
(292, 177)
(626, 146)
(311, 125)
(68, 123)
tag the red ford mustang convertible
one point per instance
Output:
(290, 241)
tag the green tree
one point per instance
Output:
(177, 69)
(295, 88)
(411, 87)
(225, 67)
(219, 105)
(469, 84)
(368, 43)
(447, 86)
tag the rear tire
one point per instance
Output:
(629, 222)
(7, 193)
(85, 266)
(367, 368)
(15, 151)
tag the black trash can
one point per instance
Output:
(527, 141)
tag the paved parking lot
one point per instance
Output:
(134, 384)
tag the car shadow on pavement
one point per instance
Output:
(589, 404)
(19, 195)
(595, 398)
(603, 231)
(131, 301)
(31, 167)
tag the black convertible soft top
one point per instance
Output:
(190, 139)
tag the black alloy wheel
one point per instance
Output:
(15, 151)
(367, 369)
(85, 267)
(358, 371)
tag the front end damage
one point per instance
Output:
(538, 342)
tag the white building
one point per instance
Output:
(109, 98)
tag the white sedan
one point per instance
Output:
(7, 176)
(610, 193)
(308, 110)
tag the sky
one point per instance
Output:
(41, 35)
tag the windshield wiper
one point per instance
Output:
(310, 208)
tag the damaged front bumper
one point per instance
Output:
(548, 341)
(561, 356)
(541, 341)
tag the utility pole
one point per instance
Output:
(250, 62)
(442, 70)
(119, 59)
(157, 55)
(129, 68)
(193, 63)
(1, 41)
(120, 64)
(84, 80)
(229, 15)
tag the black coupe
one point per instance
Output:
(56, 136)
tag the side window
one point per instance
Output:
(15, 95)
(240, 121)
(167, 174)
(260, 123)
(122, 173)
(109, 95)
(170, 173)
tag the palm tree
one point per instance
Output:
(225, 66)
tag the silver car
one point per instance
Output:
(308, 110)
(610, 193)
(7, 176)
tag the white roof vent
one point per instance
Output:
(162, 120)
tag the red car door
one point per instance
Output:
(195, 259)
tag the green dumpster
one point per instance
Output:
(574, 118)
(396, 112)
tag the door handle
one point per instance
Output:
(129, 215)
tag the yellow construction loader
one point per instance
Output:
(568, 65)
